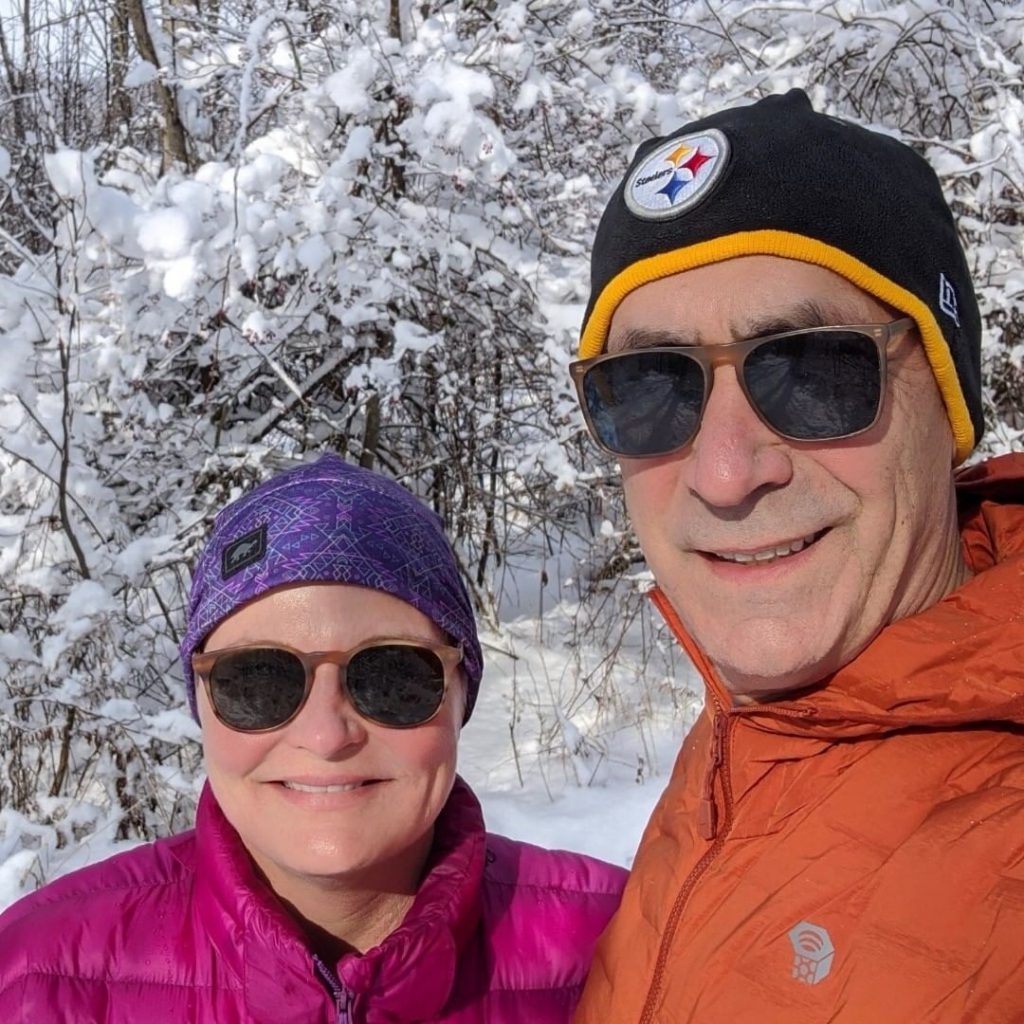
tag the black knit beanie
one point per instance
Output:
(775, 178)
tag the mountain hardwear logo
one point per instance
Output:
(813, 952)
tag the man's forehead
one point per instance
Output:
(744, 297)
(658, 327)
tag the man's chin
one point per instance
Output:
(762, 648)
(767, 691)
(767, 675)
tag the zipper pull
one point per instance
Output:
(342, 996)
(344, 1006)
(707, 812)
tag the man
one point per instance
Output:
(782, 350)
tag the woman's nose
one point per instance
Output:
(328, 725)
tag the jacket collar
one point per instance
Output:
(410, 975)
(956, 663)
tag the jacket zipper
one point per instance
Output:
(342, 997)
(707, 823)
(710, 828)
(707, 812)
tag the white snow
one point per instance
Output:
(165, 233)
(68, 171)
(412, 337)
(84, 601)
(180, 276)
(139, 74)
(313, 253)
(133, 561)
(16, 868)
(348, 88)
(15, 353)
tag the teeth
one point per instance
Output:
(302, 788)
(768, 554)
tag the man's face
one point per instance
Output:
(869, 521)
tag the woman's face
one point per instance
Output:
(377, 829)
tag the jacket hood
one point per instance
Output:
(959, 662)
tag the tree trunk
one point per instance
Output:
(15, 86)
(175, 148)
(371, 433)
(120, 108)
(395, 20)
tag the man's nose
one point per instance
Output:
(328, 725)
(734, 454)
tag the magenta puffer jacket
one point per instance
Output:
(183, 930)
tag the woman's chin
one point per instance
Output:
(340, 857)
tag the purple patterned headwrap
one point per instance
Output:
(330, 522)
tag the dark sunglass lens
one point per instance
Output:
(396, 684)
(816, 385)
(256, 689)
(644, 403)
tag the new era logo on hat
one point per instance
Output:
(947, 299)
(677, 175)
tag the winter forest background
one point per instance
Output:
(234, 231)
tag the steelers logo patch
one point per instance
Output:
(677, 175)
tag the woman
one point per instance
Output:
(339, 870)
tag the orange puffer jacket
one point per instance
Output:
(854, 856)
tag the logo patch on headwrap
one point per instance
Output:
(245, 551)
(677, 175)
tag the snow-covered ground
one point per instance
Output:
(597, 800)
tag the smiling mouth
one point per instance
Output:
(767, 555)
(301, 787)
